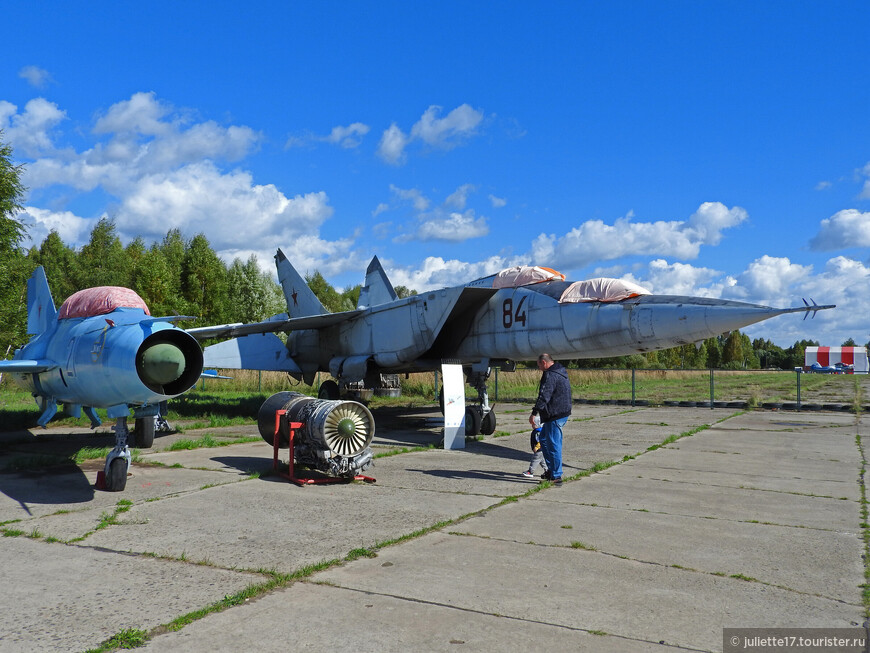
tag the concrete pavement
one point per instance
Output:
(755, 521)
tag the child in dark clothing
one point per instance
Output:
(537, 454)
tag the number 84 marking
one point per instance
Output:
(509, 316)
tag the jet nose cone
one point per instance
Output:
(162, 364)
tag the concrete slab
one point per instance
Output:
(296, 619)
(845, 488)
(800, 559)
(581, 589)
(272, 524)
(69, 598)
(631, 492)
(37, 493)
(653, 576)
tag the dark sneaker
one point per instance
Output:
(546, 476)
(557, 482)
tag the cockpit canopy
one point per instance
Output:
(100, 301)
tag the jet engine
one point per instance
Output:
(335, 435)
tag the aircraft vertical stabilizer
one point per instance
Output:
(301, 301)
(41, 313)
(377, 289)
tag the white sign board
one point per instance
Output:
(454, 407)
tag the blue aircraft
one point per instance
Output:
(103, 350)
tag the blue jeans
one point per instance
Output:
(551, 444)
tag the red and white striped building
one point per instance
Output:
(825, 356)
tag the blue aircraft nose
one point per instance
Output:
(162, 364)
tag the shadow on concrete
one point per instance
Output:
(246, 464)
(58, 484)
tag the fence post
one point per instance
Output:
(633, 370)
(496, 384)
(711, 388)
(798, 372)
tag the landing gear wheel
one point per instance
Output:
(116, 479)
(144, 433)
(487, 424)
(328, 390)
(472, 421)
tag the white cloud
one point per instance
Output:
(413, 195)
(711, 218)
(348, 137)
(435, 272)
(229, 208)
(142, 114)
(769, 279)
(36, 76)
(497, 202)
(442, 133)
(865, 192)
(30, 132)
(144, 138)
(596, 241)
(441, 223)
(844, 229)
(72, 229)
(459, 197)
(678, 279)
(454, 227)
(449, 131)
(392, 146)
(307, 253)
(161, 169)
(844, 282)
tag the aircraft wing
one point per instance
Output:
(27, 366)
(282, 323)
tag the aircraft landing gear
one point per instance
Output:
(472, 420)
(478, 419)
(118, 460)
(144, 433)
(484, 420)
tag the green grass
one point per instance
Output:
(126, 639)
(208, 441)
(236, 402)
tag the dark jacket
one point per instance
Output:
(554, 394)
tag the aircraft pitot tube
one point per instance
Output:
(335, 436)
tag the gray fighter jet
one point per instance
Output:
(491, 322)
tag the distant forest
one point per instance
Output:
(180, 276)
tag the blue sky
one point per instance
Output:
(716, 149)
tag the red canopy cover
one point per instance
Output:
(99, 301)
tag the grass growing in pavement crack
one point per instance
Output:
(865, 527)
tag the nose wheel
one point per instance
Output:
(114, 476)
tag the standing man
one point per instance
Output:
(553, 406)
